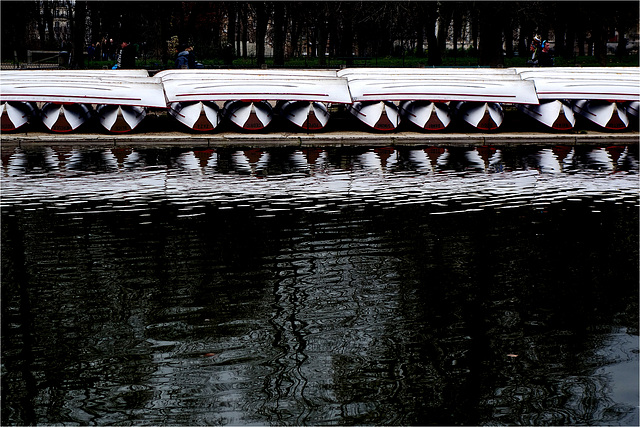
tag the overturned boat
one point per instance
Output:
(121, 97)
(632, 109)
(202, 116)
(64, 117)
(609, 115)
(247, 94)
(426, 115)
(555, 113)
(423, 94)
(307, 115)
(14, 115)
(486, 116)
(248, 115)
(379, 115)
(601, 95)
(120, 118)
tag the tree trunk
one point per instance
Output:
(490, 49)
(445, 12)
(245, 30)
(323, 37)
(434, 57)
(419, 39)
(78, 31)
(261, 31)
(279, 33)
(232, 15)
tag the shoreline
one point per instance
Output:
(310, 140)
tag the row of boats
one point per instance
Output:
(430, 98)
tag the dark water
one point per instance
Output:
(403, 286)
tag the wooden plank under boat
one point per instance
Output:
(14, 115)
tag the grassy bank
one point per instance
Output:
(407, 61)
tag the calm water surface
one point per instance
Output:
(407, 286)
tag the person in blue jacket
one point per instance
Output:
(182, 60)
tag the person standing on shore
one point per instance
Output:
(126, 56)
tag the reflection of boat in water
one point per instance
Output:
(484, 116)
(383, 158)
(13, 115)
(253, 161)
(485, 158)
(428, 159)
(198, 115)
(206, 158)
(556, 114)
(380, 115)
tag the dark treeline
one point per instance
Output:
(340, 29)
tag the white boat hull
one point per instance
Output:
(426, 115)
(249, 115)
(120, 118)
(380, 115)
(64, 117)
(306, 115)
(201, 115)
(632, 108)
(609, 115)
(481, 115)
(15, 114)
(554, 113)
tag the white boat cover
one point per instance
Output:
(258, 87)
(69, 73)
(492, 90)
(107, 89)
(578, 70)
(225, 73)
(559, 88)
(444, 71)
